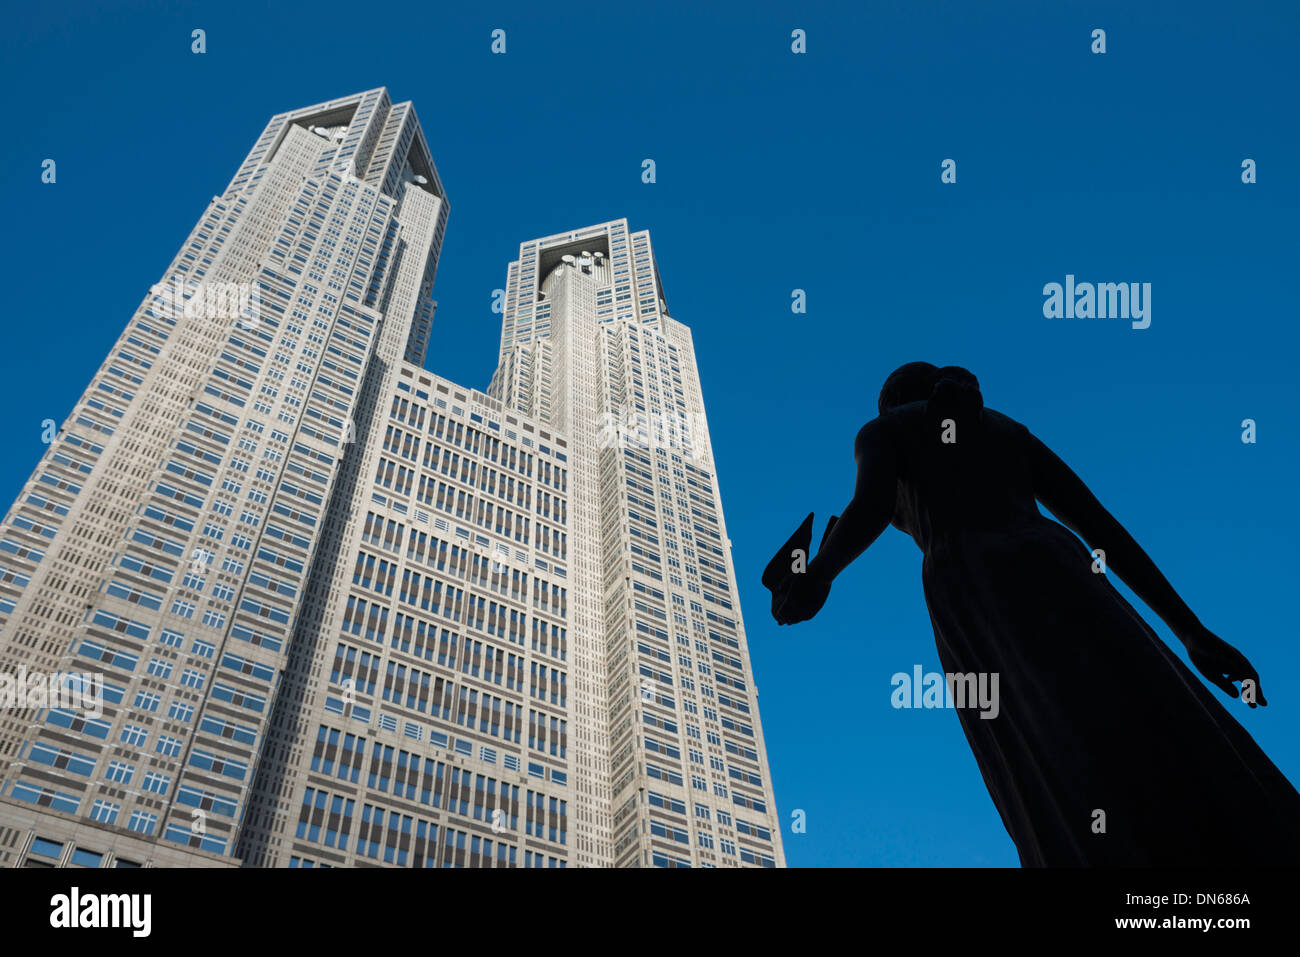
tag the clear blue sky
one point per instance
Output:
(776, 172)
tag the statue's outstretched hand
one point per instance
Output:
(799, 598)
(1222, 665)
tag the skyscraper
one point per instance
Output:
(166, 537)
(669, 763)
(343, 612)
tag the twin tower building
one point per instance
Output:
(276, 596)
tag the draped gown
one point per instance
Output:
(1096, 712)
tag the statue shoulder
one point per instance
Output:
(881, 430)
(997, 420)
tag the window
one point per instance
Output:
(180, 711)
(156, 783)
(143, 822)
(37, 794)
(84, 858)
(47, 848)
(134, 735)
(105, 812)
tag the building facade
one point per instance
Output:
(333, 610)
(424, 716)
(669, 763)
(166, 538)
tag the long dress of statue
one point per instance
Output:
(1096, 713)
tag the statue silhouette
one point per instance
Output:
(1106, 749)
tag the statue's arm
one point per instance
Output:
(872, 507)
(1065, 495)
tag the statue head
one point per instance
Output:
(923, 381)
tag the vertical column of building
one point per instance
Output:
(750, 755)
(575, 373)
(550, 367)
(687, 769)
(399, 163)
(300, 365)
(703, 796)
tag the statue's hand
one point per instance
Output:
(799, 598)
(1222, 664)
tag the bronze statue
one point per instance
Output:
(1106, 749)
